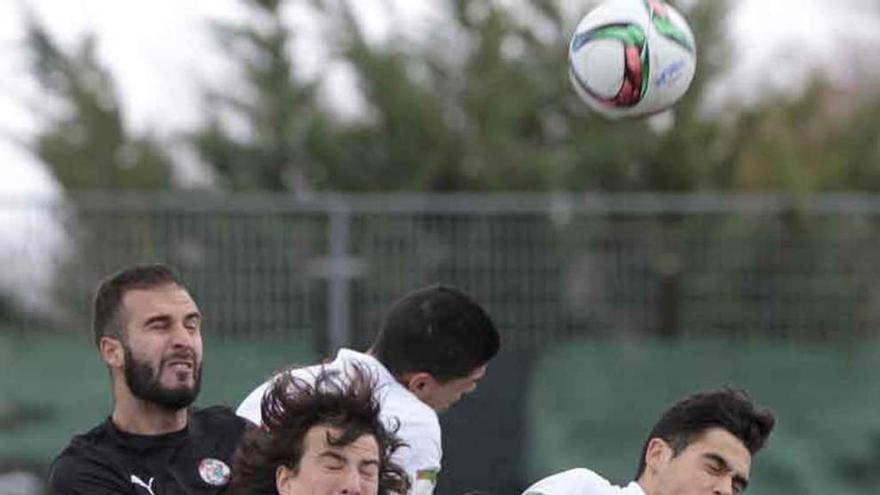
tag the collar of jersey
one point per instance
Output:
(145, 442)
(374, 364)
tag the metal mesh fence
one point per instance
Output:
(547, 267)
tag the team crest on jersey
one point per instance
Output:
(214, 471)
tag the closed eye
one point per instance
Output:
(193, 321)
(715, 468)
(718, 466)
(369, 469)
(158, 322)
(332, 461)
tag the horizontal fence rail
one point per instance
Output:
(548, 267)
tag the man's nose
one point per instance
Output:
(182, 336)
(351, 483)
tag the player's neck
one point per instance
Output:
(140, 417)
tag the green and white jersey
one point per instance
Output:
(417, 424)
(580, 481)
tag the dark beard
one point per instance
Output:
(143, 381)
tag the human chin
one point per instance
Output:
(145, 383)
(179, 371)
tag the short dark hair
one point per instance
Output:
(111, 290)
(292, 407)
(727, 408)
(437, 329)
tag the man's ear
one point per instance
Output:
(418, 383)
(284, 477)
(658, 454)
(111, 351)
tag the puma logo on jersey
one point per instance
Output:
(139, 482)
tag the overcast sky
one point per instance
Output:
(160, 51)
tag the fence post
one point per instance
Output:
(338, 283)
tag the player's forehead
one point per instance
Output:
(143, 302)
(319, 441)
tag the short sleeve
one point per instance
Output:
(422, 454)
(250, 407)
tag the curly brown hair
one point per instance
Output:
(292, 406)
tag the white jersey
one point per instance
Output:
(419, 426)
(580, 482)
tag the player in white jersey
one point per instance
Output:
(432, 349)
(702, 445)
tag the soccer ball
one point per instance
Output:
(630, 58)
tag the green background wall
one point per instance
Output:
(591, 405)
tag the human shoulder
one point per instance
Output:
(88, 464)
(217, 419)
(217, 423)
(579, 481)
(413, 416)
(250, 406)
(418, 427)
(214, 431)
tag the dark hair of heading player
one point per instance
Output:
(439, 330)
(292, 406)
(726, 408)
(111, 290)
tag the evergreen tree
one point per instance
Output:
(85, 142)
(280, 113)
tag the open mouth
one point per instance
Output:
(180, 365)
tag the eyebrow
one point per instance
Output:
(738, 478)
(339, 457)
(165, 318)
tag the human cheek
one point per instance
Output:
(369, 486)
(709, 482)
(314, 482)
(147, 351)
(197, 346)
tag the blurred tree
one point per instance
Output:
(481, 103)
(280, 113)
(485, 104)
(85, 142)
(824, 140)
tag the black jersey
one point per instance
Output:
(192, 461)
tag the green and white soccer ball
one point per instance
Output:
(631, 58)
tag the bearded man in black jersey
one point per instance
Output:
(147, 329)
